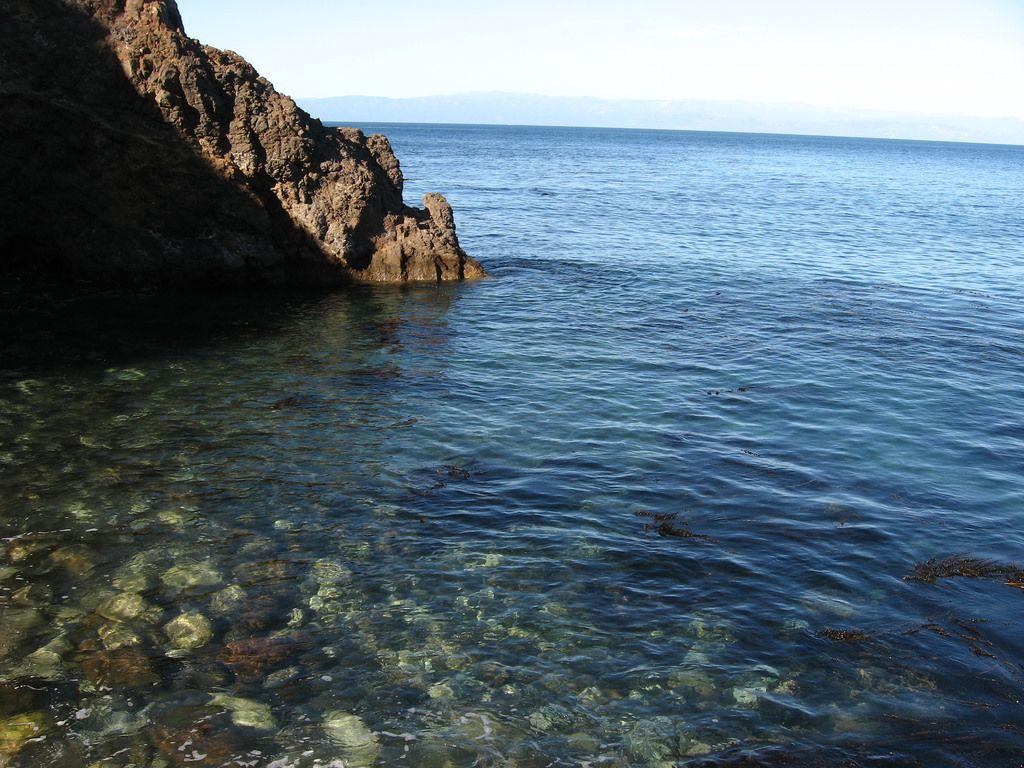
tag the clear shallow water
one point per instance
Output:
(446, 511)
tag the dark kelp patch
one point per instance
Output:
(959, 566)
(667, 526)
(845, 635)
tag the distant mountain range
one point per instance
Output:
(528, 109)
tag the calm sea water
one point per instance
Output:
(647, 497)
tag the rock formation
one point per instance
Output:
(130, 152)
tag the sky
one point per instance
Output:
(963, 57)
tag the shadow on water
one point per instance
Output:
(53, 330)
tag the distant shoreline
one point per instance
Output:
(442, 124)
(517, 109)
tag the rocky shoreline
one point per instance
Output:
(133, 153)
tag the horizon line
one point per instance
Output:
(356, 123)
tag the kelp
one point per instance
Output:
(959, 566)
(666, 526)
(845, 635)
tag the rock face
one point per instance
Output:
(130, 152)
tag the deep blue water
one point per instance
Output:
(648, 496)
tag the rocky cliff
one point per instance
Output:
(130, 152)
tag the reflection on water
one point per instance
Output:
(580, 514)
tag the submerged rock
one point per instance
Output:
(246, 712)
(17, 626)
(127, 667)
(136, 575)
(282, 677)
(128, 607)
(75, 558)
(191, 575)
(189, 631)
(440, 691)
(198, 744)
(116, 635)
(348, 731)
(551, 717)
(251, 659)
(748, 696)
(47, 662)
(33, 595)
(228, 600)
(18, 730)
(583, 743)
(651, 741)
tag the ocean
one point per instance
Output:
(722, 466)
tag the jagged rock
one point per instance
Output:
(133, 152)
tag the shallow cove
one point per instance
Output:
(650, 495)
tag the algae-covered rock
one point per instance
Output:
(281, 678)
(228, 600)
(17, 626)
(440, 691)
(47, 662)
(651, 740)
(189, 631)
(33, 595)
(122, 667)
(246, 712)
(115, 635)
(748, 696)
(128, 606)
(18, 730)
(551, 717)
(75, 558)
(359, 743)
(192, 575)
(136, 575)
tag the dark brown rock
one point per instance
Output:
(202, 743)
(252, 659)
(128, 667)
(130, 151)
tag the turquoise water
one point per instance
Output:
(647, 497)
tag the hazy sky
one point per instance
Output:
(951, 56)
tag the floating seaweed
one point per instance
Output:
(845, 635)
(665, 525)
(958, 566)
